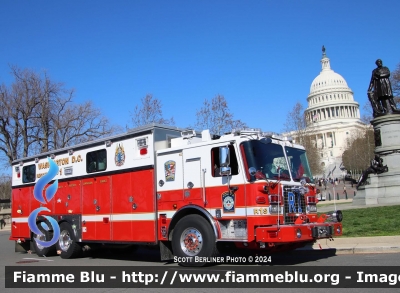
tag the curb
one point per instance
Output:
(6, 228)
(352, 250)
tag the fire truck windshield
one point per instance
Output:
(298, 164)
(269, 159)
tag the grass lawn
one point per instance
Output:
(376, 221)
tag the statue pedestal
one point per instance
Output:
(384, 188)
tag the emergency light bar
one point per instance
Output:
(186, 134)
(259, 133)
(246, 131)
(277, 136)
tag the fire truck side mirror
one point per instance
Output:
(224, 160)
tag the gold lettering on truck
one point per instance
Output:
(260, 211)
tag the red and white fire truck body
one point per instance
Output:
(185, 192)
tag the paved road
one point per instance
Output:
(150, 258)
(145, 257)
(337, 190)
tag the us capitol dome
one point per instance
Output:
(333, 116)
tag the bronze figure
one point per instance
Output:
(375, 168)
(380, 91)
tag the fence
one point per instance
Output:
(5, 204)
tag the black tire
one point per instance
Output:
(193, 236)
(67, 244)
(47, 236)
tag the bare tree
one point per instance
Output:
(395, 81)
(216, 117)
(368, 115)
(10, 132)
(360, 150)
(150, 111)
(90, 125)
(16, 122)
(296, 120)
(304, 134)
(36, 98)
(38, 115)
(5, 187)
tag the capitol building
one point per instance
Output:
(333, 116)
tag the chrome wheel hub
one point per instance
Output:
(191, 241)
(41, 238)
(65, 240)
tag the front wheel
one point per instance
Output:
(67, 244)
(193, 238)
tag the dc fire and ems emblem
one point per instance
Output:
(119, 155)
(169, 168)
(228, 202)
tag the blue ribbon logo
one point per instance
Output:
(38, 194)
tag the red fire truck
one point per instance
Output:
(188, 193)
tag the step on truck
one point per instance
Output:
(192, 194)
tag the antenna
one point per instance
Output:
(334, 198)
(279, 198)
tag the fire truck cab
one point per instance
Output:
(189, 193)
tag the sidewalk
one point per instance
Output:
(357, 245)
(5, 218)
(353, 245)
(334, 190)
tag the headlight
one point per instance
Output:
(273, 209)
(312, 208)
(336, 216)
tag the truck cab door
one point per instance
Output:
(231, 202)
(193, 177)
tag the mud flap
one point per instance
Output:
(23, 246)
(166, 250)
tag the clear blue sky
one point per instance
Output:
(261, 55)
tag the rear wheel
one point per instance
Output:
(40, 249)
(67, 244)
(193, 237)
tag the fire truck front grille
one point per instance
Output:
(294, 204)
